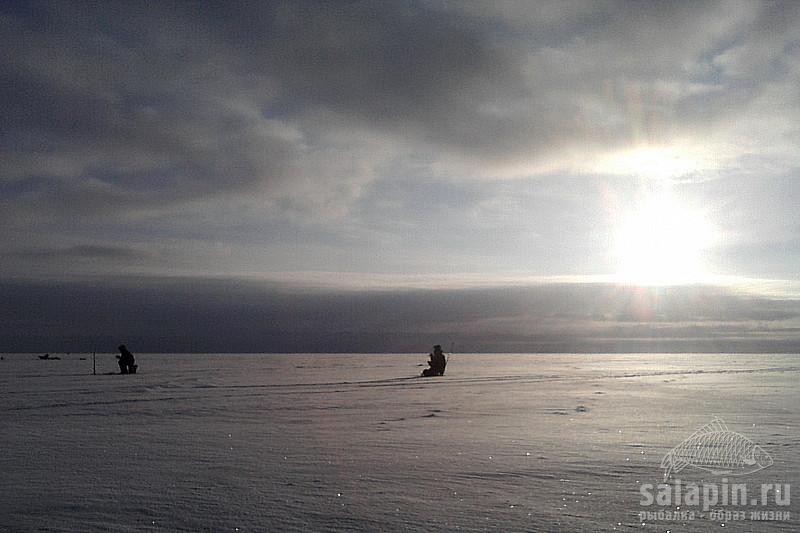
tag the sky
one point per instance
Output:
(382, 176)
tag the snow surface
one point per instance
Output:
(359, 443)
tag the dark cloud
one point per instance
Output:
(126, 98)
(165, 315)
(84, 251)
(394, 137)
(173, 102)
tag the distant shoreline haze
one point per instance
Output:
(228, 316)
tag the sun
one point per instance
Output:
(662, 242)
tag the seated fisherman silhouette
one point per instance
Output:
(127, 363)
(437, 363)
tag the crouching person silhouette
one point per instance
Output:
(436, 364)
(127, 363)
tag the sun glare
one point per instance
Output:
(661, 243)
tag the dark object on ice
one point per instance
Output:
(436, 364)
(47, 357)
(126, 361)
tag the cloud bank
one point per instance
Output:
(191, 315)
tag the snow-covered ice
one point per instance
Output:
(359, 443)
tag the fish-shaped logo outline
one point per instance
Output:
(718, 450)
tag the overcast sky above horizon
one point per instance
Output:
(405, 144)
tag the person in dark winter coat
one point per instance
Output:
(127, 363)
(437, 363)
